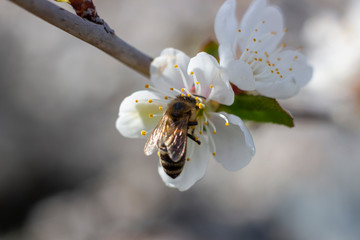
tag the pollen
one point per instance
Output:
(200, 132)
(150, 100)
(160, 108)
(214, 132)
(201, 105)
(290, 69)
(146, 85)
(254, 39)
(183, 89)
(176, 66)
(255, 59)
(136, 101)
(211, 86)
(183, 95)
(188, 159)
(166, 97)
(151, 115)
(197, 83)
(272, 71)
(247, 49)
(143, 132)
(192, 73)
(260, 59)
(188, 95)
(196, 98)
(213, 154)
(172, 89)
(239, 30)
(196, 139)
(206, 123)
(227, 124)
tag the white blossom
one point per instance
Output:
(223, 136)
(251, 52)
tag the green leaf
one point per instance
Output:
(258, 109)
(211, 48)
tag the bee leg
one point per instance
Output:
(194, 123)
(193, 138)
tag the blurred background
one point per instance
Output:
(66, 173)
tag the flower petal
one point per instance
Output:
(163, 73)
(194, 169)
(213, 82)
(241, 74)
(264, 23)
(134, 116)
(294, 71)
(226, 24)
(234, 144)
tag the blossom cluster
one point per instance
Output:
(250, 56)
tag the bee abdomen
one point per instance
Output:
(171, 168)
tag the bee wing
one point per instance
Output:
(177, 141)
(158, 133)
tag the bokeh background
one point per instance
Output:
(66, 173)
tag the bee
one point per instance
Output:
(170, 135)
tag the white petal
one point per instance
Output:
(134, 117)
(194, 169)
(261, 22)
(234, 144)
(295, 72)
(163, 73)
(208, 72)
(226, 24)
(241, 74)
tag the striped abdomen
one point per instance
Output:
(171, 168)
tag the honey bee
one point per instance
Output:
(170, 135)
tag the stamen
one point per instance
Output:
(160, 108)
(136, 101)
(290, 69)
(239, 30)
(146, 85)
(285, 30)
(212, 143)
(188, 159)
(150, 100)
(182, 77)
(213, 154)
(151, 115)
(143, 132)
(166, 97)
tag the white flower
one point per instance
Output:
(251, 54)
(223, 136)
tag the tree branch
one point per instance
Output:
(89, 32)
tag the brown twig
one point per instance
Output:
(89, 32)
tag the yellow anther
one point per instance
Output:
(239, 30)
(277, 73)
(273, 33)
(260, 59)
(256, 52)
(196, 98)
(197, 83)
(296, 57)
(176, 66)
(281, 76)
(254, 39)
(188, 159)
(206, 123)
(188, 94)
(150, 100)
(276, 69)
(214, 132)
(247, 49)
(285, 30)
(146, 85)
(201, 105)
(183, 95)
(151, 115)
(166, 97)
(196, 139)
(263, 22)
(278, 59)
(255, 59)
(172, 89)
(183, 89)
(267, 54)
(272, 71)
(227, 124)
(283, 45)
(143, 132)
(290, 69)
(160, 108)
(213, 154)
(200, 132)
(211, 86)
(273, 64)
(136, 101)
